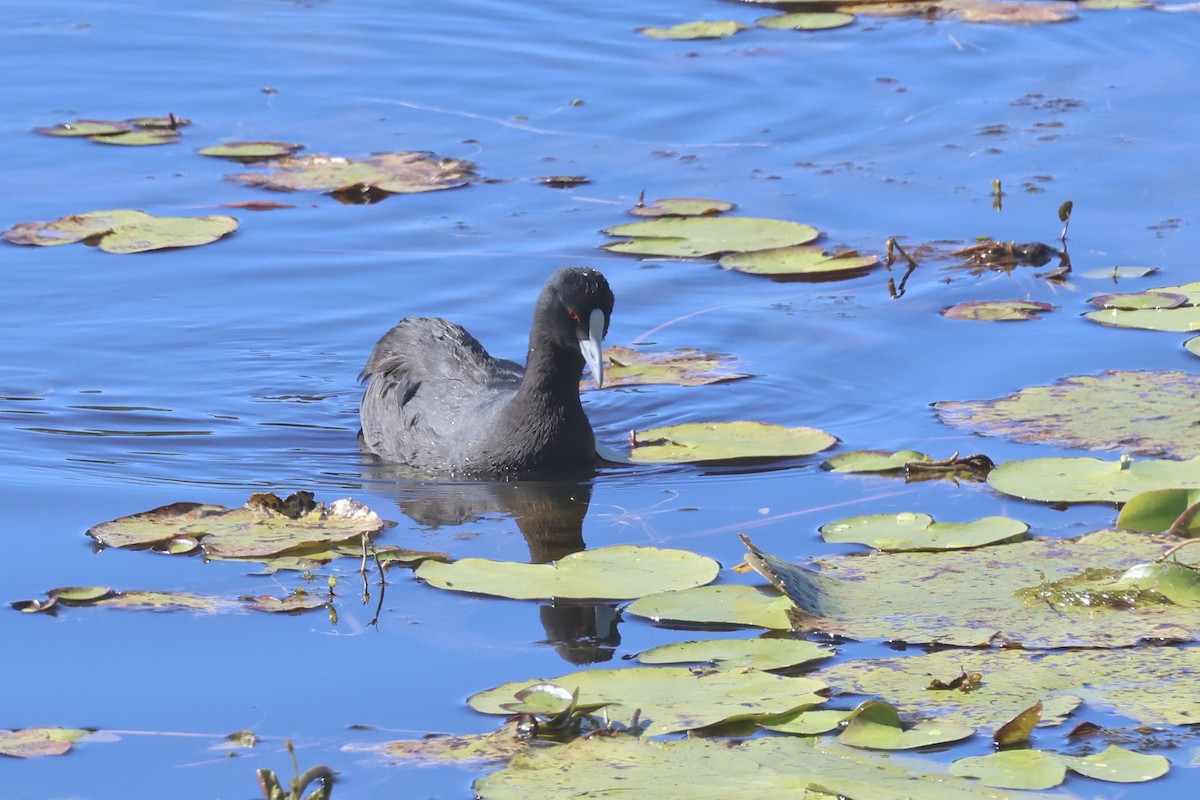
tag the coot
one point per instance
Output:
(437, 401)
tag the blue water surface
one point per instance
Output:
(205, 374)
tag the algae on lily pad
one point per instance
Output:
(609, 573)
(764, 654)
(37, 742)
(266, 526)
(394, 173)
(998, 310)
(1091, 480)
(875, 725)
(725, 441)
(909, 531)
(718, 29)
(682, 207)
(250, 151)
(695, 237)
(706, 769)
(683, 367)
(799, 261)
(1147, 411)
(123, 231)
(806, 21)
(1018, 593)
(672, 699)
(725, 604)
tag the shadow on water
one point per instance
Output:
(549, 514)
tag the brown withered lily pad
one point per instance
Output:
(392, 173)
(37, 742)
(997, 310)
(123, 231)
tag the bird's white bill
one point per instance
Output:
(590, 347)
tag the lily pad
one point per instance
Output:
(87, 127)
(1115, 273)
(137, 131)
(873, 461)
(695, 237)
(1160, 509)
(799, 260)
(683, 367)
(726, 441)
(266, 526)
(1017, 730)
(1144, 411)
(37, 742)
(984, 596)
(1132, 300)
(396, 173)
(732, 604)
(997, 310)
(140, 138)
(706, 769)
(1118, 765)
(766, 654)
(1036, 769)
(489, 749)
(1009, 12)
(123, 231)
(611, 573)
(1091, 480)
(875, 725)
(682, 207)
(718, 29)
(806, 21)
(806, 723)
(1148, 312)
(250, 151)
(909, 531)
(672, 699)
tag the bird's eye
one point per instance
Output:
(571, 313)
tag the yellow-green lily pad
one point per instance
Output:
(998, 310)
(726, 441)
(1143, 411)
(1132, 300)
(873, 460)
(37, 742)
(909, 531)
(123, 231)
(682, 207)
(87, 127)
(806, 21)
(1013, 769)
(612, 573)
(875, 725)
(799, 260)
(765, 654)
(1158, 510)
(683, 367)
(717, 29)
(695, 237)
(726, 604)
(1091, 480)
(266, 526)
(1118, 765)
(672, 698)
(250, 151)
(395, 173)
(140, 138)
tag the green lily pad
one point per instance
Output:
(706, 769)
(873, 461)
(694, 237)
(683, 367)
(1115, 273)
(806, 723)
(396, 173)
(250, 151)
(1017, 730)
(123, 231)
(672, 698)
(682, 207)
(611, 573)
(909, 531)
(1132, 300)
(1192, 345)
(997, 310)
(727, 604)
(1178, 583)
(1013, 769)
(806, 21)
(1149, 313)
(139, 138)
(725, 441)
(266, 526)
(37, 742)
(797, 260)
(1091, 480)
(1159, 509)
(718, 29)
(1144, 411)
(984, 596)
(137, 131)
(87, 127)
(766, 654)
(875, 725)
(1118, 765)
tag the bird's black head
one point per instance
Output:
(573, 311)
